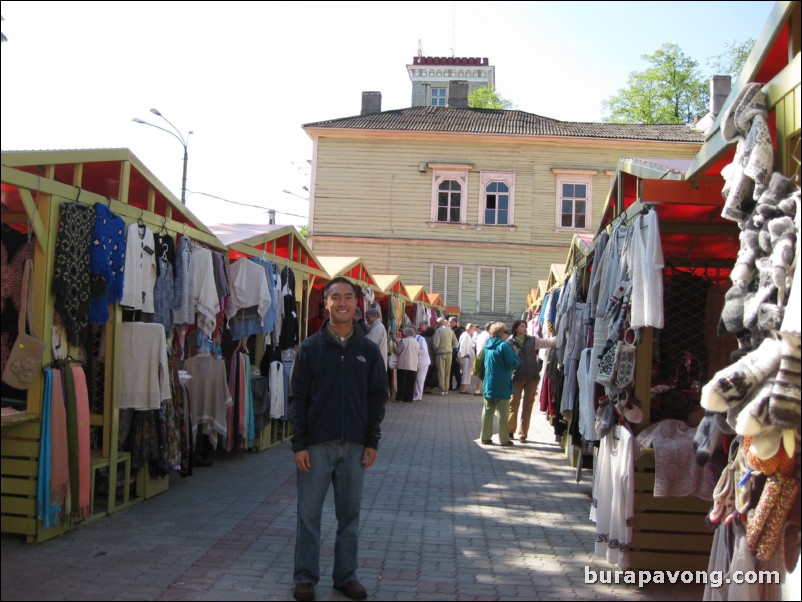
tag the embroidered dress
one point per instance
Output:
(613, 506)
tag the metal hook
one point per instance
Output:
(164, 225)
(78, 196)
(140, 221)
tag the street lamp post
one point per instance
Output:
(178, 136)
(293, 194)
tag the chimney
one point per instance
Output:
(371, 103)
(458, 94)
(720, 86)
(271, 217)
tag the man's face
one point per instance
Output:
(341, 304)
(370, 319)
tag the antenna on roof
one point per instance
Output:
(420, 48)
(453, 29)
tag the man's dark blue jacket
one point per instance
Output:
(337, 393)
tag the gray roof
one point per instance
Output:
(505, 122)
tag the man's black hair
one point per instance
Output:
(339, 280)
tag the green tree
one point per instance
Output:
(732, 60)
(488, 98)
(303, 231)
(671, 90)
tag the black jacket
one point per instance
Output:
(337, 393)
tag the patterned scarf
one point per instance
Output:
(71, 270)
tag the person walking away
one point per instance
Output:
(423, 366)
(482, 336)
(525, 377)
(499, 362)
(444, 343)
(376, 331)
(456, 364)
(338, 390)
(466, 355)
(407, 351)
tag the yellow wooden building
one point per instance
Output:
(470, 202)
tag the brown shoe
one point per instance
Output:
(353, 589)
(304, 592)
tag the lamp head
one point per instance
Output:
(138, 120)
(156, 112)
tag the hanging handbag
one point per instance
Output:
(26, 355)
(625, 367)
(608, 361)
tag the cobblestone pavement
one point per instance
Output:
(444, 518)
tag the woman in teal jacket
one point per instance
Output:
(500, 360)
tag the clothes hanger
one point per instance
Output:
(140, 221)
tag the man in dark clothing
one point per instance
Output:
(456, 365)
(338, 390)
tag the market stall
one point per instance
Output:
(48, 197)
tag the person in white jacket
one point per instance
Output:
(424, 361)
(466, 354)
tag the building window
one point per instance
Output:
(497, 202)
(574, 194)
(438, 97)
(449, 194)
(446, 280)
(492, 290)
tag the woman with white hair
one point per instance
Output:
(407, 351)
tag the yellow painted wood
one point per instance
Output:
(23, 506)
(25, 430)
(33, 215)
(19, 486)
(686, 542)
(669, 521)
(683, 561)
(21, 448)
(19, 468)
(18, 524)
(646, 501)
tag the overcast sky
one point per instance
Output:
(245, 76)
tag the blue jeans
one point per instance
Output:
(338, 463)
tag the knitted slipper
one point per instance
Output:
(738, 381)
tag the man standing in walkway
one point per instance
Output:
(444, 342)
(338, 391)
(376, 331)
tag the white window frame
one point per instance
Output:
(574, 176)
(441, 173)
(486, 178)
(493, 286)
(444, 293)
(440, 97)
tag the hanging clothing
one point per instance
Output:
(209, 395)
(646, 272)
(140, 269)
(145, 379)
(289, 326)
(71, 283)
(183, 309)
(164, 291)
(106, 263)
(204, 297)
(613, 507)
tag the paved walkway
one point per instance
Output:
(444, 518)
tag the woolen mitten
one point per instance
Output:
(766, 292)
(770, 317)
(707, 438)
(732, 314)
(785, 410)
(737, 381)
(749, 250)
(783, 241)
